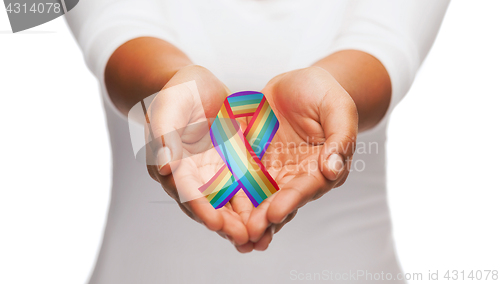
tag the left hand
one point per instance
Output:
(312, 150)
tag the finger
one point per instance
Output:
(230, 210)
(224, 221)
(258, 221)
(341, 178)
(245, 248)
(339, 119)
(242, 205)
(234, 228)
(263, 243)
(223, 235)
(188, 213)
(206, 213)
(294, 195)
(198, 209)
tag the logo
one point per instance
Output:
(242, 152)
(26, 14)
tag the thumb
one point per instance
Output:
(339, 119)
(168, 117)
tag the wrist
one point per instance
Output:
(365, 79)
(140, 68)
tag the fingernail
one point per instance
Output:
(335, 163)
(163, 158)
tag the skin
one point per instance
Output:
(320, 109)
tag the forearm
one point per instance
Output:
(140, 68)
(365, 79)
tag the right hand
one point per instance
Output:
(183, 154)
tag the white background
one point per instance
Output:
(444, 153)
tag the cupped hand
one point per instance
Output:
(312, 150)
(181, 156)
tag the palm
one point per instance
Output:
(200, 162)
(313, 111)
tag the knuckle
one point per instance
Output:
(315, 75)
(316, 71)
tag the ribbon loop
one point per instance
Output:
(242, 152)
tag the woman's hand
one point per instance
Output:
(318, 106)
(312, 150)
(178, 116)
(182, 158)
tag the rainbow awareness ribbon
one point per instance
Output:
(242, 152)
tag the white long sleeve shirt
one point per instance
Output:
(347, 232)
